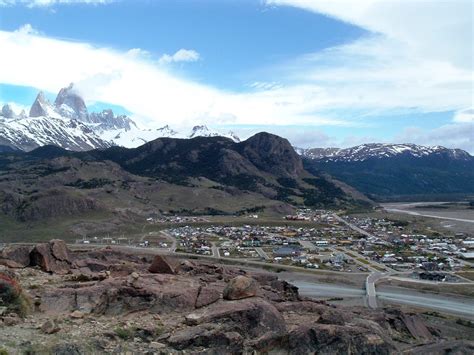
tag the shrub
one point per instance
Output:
(12, 296)
(124, 333)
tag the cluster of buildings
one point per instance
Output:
(194, 240)
(176, 219)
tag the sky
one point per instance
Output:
(320, 73)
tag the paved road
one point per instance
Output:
(361, 231)
(215, 251)
(174, 242)
(450, 304)
(262, 253)
(353, 226)
(413, 213)
(360, 263)
(370, 288)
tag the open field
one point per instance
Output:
(454, 216)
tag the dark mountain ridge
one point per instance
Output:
(382, 170)
(200, 176)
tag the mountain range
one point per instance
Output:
(382, 170)
(117, 188)
(377, 170)
(67, 123)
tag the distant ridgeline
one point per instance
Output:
(391, 171)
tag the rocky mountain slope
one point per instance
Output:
(382, 170)
(190, 176)
(67, 123)
(111, 301)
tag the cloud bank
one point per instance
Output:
(418, 57)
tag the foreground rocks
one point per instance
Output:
(107, 301)
(240, 287)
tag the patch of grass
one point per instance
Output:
(124, 333)
(362, 260)
(3, 351)
(434, 314)
(465, 322)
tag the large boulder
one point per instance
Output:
(16, 256)
(52, 257)
(163, 265)
(240, 287)
(336, 339)
(207, 336)
(208, 295)
(117, 296)
(251, 317)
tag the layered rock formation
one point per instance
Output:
(109, 301)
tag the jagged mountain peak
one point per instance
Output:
(41, 106)
(202, 131)
(61, 120)
(7, 111)
(69, 103)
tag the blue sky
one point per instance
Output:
(320, 73)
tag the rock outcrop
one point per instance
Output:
(51, 257)
(240, 287)
(110, 301)
(163, 265)
(16, 256)
(70, 104)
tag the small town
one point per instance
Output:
(327, 241)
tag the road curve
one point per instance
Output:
(462, 306)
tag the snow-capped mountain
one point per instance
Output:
(379, 151)
(29, 133)
(68, 124)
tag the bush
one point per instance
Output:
(12, 296)
(124, 333)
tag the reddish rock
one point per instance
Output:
(11, 264)
(251, 317)
(60, 250)
(208, 336)
(336, 339)
(17, 255)
(51, 257)
(416, 326)
(163, 265)
(240, 287)
(208, 295)
(50, 327)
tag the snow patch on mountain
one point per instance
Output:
(378, 151)
(68, 124)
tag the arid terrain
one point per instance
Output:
(104, 300)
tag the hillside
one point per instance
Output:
(211, 175)
(382, 170)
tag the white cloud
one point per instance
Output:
(464, 116)
(182, 55)
(27, 29)
(460, 135)
(138, 53)
(134, 81)
(45, 3)
(419, 55)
